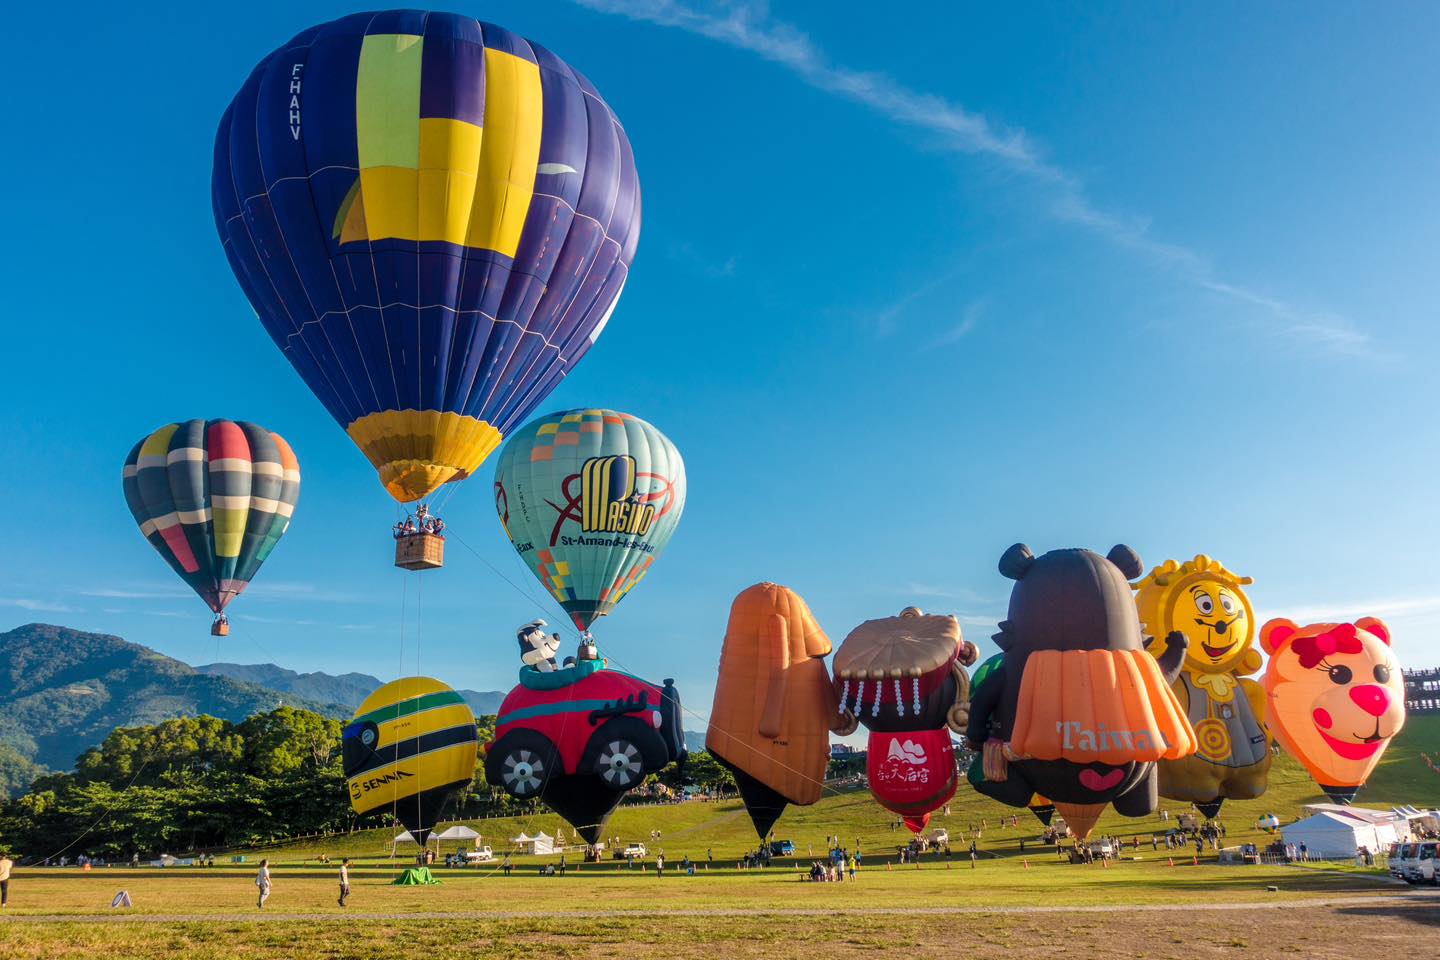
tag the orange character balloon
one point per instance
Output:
(770, 722)
(1336, 697)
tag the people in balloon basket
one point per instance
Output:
(422, 521)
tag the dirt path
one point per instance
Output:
(1399, 901)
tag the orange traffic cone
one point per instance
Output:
(1104, 863)
(1195, 861)
(1026, 863)
(887, 864)
(1172, 861)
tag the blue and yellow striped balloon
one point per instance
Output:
(589, 498)
(408, 748)
(433, 218)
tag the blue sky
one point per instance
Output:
(913, 284)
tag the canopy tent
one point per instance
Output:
(1333, 835)
(457, 832)
(405, 836)
(540, 844)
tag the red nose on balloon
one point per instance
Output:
(916, 824)
(1371, 698)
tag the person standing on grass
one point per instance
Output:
(6, 865)
(344, 880)
(262, 880)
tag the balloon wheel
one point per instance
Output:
(620, 763)
(524, 772)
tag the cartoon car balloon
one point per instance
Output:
(774, 706)
(589, 499)
(1336, 698)
(578, 737)
(433, 218)
(904, 679)
(410, 746)
(1207, 603)
(1083, 711)
(213, 497)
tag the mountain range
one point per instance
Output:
(349, 689)
(62, 691)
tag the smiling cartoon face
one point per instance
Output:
(1206, 602)
(1336, 697)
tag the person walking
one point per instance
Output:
(6, 865)
(262, 880)
(344, 880)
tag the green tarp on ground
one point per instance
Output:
(415, 876)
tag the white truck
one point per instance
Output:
(1420, 868)
(480, 855)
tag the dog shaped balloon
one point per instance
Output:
(536, 648)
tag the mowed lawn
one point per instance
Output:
(617, 910)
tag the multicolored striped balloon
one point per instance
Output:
(589, 498)
(213, 497)
(408, 748)
(433, 218)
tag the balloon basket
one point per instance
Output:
(420, 551)
(220, 628)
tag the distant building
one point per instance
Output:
(1422, 690)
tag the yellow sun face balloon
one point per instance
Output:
(1206, 602)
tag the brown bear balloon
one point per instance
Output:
(1080, 712)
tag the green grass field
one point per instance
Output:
(613, 909)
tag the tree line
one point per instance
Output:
(202, 783)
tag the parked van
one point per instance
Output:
(1421, 869)
(1400, 864)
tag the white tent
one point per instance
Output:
(1337, 836)
(459, 832)
(540, 844)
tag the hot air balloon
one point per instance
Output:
(910, 690)
(1336, 697)
(213, 497)
(433, 218)
(1083, 711)
(1207, 603)
(579, 737)
(410, 746)
(774, 706)
(589, 498)
(992, 671)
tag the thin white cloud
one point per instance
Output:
(969, 320)
(747, 25)
(708, 267)
(115, 594)
(38, 606)
(285, 621)
(300, 592)
(1393, 608)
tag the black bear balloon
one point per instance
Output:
(1080, 711)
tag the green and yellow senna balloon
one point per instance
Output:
(589, 498)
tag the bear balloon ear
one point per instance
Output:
(1016, 562)
(1127, 560)
(1376, 626)
(1275, 633)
